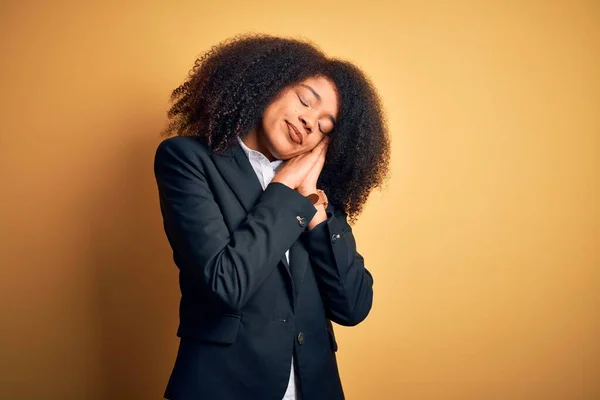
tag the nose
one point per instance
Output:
(306, 122)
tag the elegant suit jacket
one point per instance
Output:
(244, 311)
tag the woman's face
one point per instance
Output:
(297, 120)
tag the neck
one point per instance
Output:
(254, 140)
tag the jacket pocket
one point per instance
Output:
(215, 328)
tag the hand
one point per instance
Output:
(309, 185)
(295, 171)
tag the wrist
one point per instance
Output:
(319, 217)
(318, 197)
(305, 191)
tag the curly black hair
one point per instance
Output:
(230, 85)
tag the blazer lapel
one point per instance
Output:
(236, 170)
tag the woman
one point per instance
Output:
(276, 148)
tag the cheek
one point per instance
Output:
(270, 126)
(268, 117)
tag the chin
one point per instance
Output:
(283, 150)
(282, 155)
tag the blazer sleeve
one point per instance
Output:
(346, 286)
(229, 265)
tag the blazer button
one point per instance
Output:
(335, 237)
(301, 221)
(300, 338)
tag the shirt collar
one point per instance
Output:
(257, 155)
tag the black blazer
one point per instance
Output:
(243, 310)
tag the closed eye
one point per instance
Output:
(303, 103)
(306, 105)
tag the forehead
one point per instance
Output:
(326, 90)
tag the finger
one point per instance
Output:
(326, 145)
(320, 147)
(325, 148)
(320, 161)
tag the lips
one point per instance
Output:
(294, 133)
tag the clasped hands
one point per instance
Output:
(302, 173)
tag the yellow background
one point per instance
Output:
(484, 246)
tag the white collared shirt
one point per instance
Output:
(265, 171)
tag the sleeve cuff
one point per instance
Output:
(319, 232)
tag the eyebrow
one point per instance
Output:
(319, 99)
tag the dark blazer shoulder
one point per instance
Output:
(183, 145)
(182, 151)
